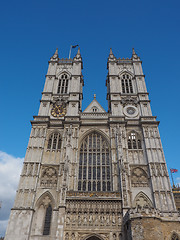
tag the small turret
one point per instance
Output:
(111, 56)
(78, 56)
(134, 55)
(55, 56)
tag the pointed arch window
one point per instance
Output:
(126, 83)
(94, 164)
(54, 142)
(63, 84)
(47, 221)
(134, 142)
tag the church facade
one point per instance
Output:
(94, 175)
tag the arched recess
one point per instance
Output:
(142, 201)
(43, 214)
(94, 162)
(175, 236)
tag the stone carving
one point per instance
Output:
(91, 213)
(139, 177)
(138, 231)
(49, 177)
(141, 201)
(46, 201)
(129, 101)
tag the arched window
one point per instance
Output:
(54, 142)
(47, 220)
(126, 84)
(63, 84)
(94, 164)
(94, 109)
(134, 142)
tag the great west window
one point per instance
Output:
(94, 164)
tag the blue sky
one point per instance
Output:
(31, 31)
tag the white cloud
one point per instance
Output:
(10, 169)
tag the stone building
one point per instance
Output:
(94, 175)
(176, 193)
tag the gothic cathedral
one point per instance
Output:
(94, 175)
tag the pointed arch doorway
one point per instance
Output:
(93, 238)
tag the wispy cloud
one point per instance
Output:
(10, 169)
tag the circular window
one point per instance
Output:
(130, 111)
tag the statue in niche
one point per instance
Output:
(73, 236)
(68, 219)
(102, 219)
(107, 220)
(96, 219)
(114, 236)
(113, 219)
(79, 220)
(91, 219)
(85, 219)
(67, 236)
(119, 219)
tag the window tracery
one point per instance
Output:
(94, 164)
(63, 84)
(54, 142)
(126, 83)
(134, 142)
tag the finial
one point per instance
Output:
(111, 55)
(56, 52)
(94, 96)
(78, 52)
(133, 51)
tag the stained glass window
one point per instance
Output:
(94, 164)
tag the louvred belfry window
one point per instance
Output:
(126, 84)
(54, 142)
(134, 142)
(94, 164)
(63, 84)
(47, 221)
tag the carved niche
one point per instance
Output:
(139, 177)
(49, 177)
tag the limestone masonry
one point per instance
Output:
(94, 175)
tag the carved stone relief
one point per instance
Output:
(141, 201)
(139, 177)
(104, 214)
(49, 177)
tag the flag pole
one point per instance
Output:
(70, 51)
(172, 178)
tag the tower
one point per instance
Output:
(94, 175)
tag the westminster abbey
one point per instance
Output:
(94, 175)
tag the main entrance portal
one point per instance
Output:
(93, 238)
